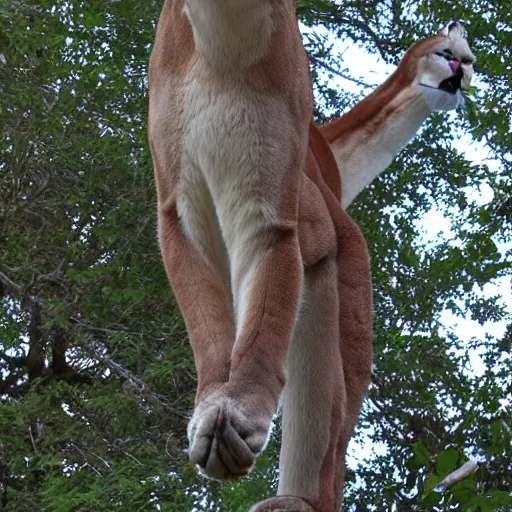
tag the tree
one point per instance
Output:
(96, 374)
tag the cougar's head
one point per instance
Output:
(445, 67)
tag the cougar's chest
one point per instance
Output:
(219, 120)
(225, 150)
(230, 131)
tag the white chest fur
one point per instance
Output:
(231, 141)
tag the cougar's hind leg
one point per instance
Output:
(329, 369)
(314, 397)
(283, 504)
(356, 334)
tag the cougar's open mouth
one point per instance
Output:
(454, 83)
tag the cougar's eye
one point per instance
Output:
(447, 54)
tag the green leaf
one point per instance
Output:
(421, 455)
(446, 461)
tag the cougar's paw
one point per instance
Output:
(225, 436)
(283, 504)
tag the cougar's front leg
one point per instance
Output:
(201, 286)
(259, 223)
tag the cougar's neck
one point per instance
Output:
(365, 140)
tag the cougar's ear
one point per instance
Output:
(445, 31)
(456, 29)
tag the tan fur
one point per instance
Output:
(283, 504)
(256, 247)
(228, 130)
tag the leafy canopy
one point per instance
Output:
(96, 374)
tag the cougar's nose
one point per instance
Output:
(454, 65)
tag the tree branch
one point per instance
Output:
(137, 383)
(106, 330)
(17, 289)
(456, 476)
(32, 439)
(339, 73)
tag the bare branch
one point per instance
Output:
(111, 331)
(456, 476)
(87, 463)
(32, 439)
(98, 457)
(137, 383)
(132, 457)
(339, 73)
(17, 289)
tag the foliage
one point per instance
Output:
(96, 375)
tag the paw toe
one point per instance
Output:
(223, 441)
